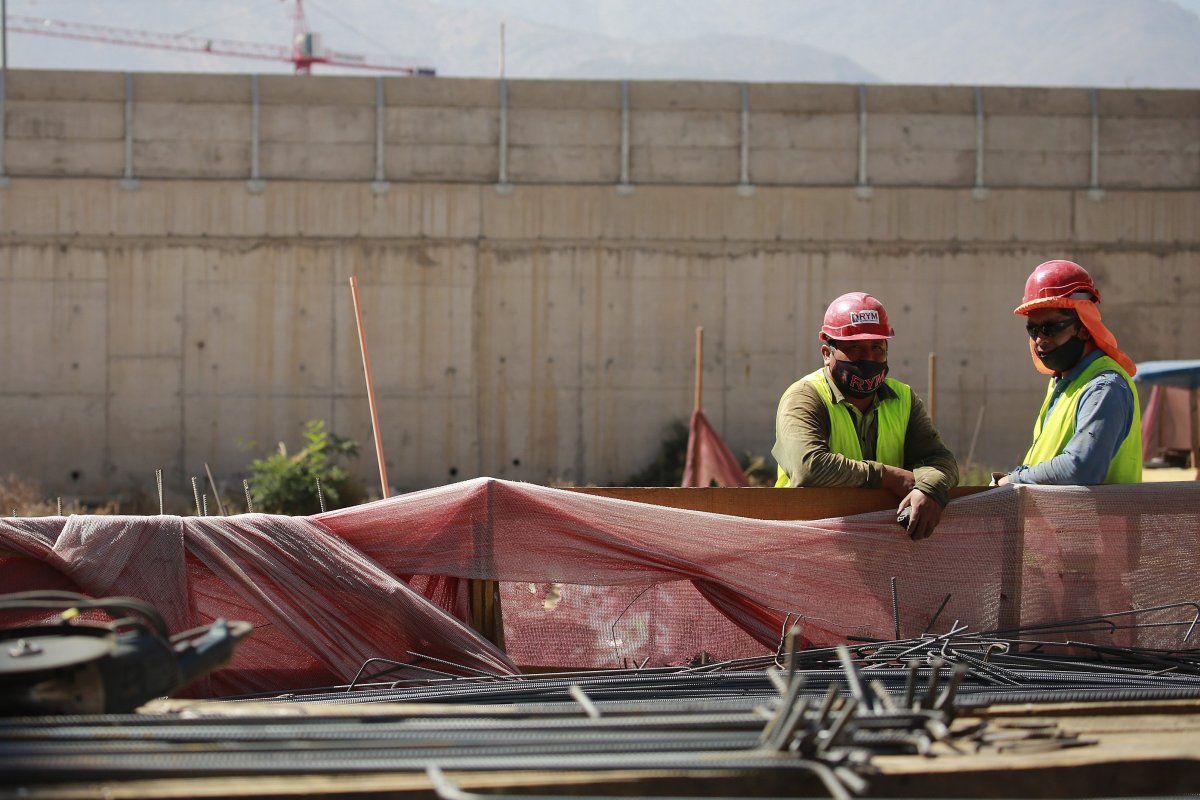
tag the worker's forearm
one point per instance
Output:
(830, 469)
(935, 483)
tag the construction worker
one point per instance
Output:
(1089, 430)
(848, 424)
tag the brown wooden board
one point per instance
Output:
(764, 503)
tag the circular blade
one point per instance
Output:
(36, 653)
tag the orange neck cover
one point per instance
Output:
(1089, 315)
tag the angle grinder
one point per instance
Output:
(80, 663)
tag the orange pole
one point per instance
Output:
(362, 343)
(699, 365)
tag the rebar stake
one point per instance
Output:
(249, 502)
(196, 493)
(204, 498)
(320, 495)
(896, 609)
(60, 506)
(158, 479)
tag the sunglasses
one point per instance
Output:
(1049, 329)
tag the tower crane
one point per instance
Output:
(306, 49)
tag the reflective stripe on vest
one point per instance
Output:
(1052, 433)
(891, 425)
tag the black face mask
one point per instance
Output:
(859, 378)
(1064, 357)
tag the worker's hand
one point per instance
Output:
(897, 481)
(999, 479)
(924, 514)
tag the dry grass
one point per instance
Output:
(22, 498)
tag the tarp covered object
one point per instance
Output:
(709, 459)
(1167, 422)
(591, 581)
(1181, 374)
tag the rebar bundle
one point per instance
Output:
(793, 723)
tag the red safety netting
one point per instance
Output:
(590, 581)
(709, 459)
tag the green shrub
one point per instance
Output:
(287, 484)
(667, 467)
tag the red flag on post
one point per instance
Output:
(709, 459)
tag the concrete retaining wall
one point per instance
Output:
(433, 129)
(543, 329)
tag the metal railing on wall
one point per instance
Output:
(3, 124)
(742, 180)
(255, 183)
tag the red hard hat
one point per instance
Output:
(856, 315)
(1059, 279)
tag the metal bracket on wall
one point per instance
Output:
(1094, 190)
(624, 187)
(980, 191)
(745, 187)
(256, 184)
(503, 186)
(3, 128)
(862, 189)
(129, 182)
(380, 185)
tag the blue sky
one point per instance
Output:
(379, 26)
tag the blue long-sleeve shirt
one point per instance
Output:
(1103, 419)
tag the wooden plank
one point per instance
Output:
(763, 503)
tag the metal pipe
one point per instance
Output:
(980, 191)
(863, 188)
(128, 181)
(3, 112)
(623, 185)
(895, 609)
(745, 188)
(502, 178)
(216, 494)
(255, 184)
(380, 185)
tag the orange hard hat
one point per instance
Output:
(1058, 279)
(856, 315)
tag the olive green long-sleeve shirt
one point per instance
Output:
(802, 430)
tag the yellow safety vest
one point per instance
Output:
(891, 426)
(1051, 433)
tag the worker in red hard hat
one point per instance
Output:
(1089, 430)
(849, 424)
